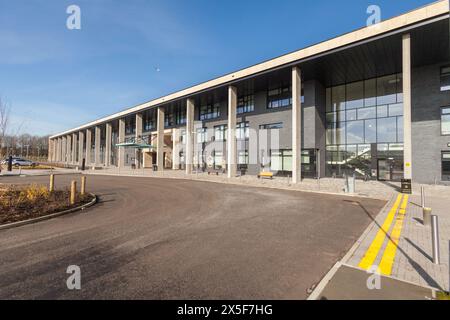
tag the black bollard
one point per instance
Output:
(10, 163)
(83, 164)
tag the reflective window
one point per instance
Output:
(367, 113)
(387, 89)
(445, 78)
(202, 135)
(361, 118)
(396, 110)
(355, 131)
(149, 120)
(220, 132)
(387, 130)
(245, 104)
(446, 165)
(130, 125)
(279, 97)
(370, 131)
(269, 126)
(355, 95)
(210, 111)
(445, 121)
(370, 92)
(338, 98)
(242, 130)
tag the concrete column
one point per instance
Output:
(190, 108)
(97, 146)
(74, 147)
(69, 149)
(58, 149)
(296, 125)
(50, 150)
(54, 143)
(108, 142)
(160, 139)
(63, 149)
(407, 141)
(88, 146)
(121, 150)
(175, 149)
(138, 152)
(231, 138)
(81, 155)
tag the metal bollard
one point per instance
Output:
(83, 185)
(73, 192)
(435, 239)
(426, 217)
(52, 183)
(422, 196)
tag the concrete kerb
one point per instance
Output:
(329, 275)
(50, 216)
(193, 178)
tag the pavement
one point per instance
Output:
(371, 189)
(182, 239)
(398, 247)
(36, 172)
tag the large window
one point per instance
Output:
(281, 160)
(210, 111)
(446, 165)
(149, 119)
(245, 104)
(220, 133)
(270, 126)
(130, 125)
(242, 130)
(445, 78)
(280, 97)
(360, 116)
(445, 121)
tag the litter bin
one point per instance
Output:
(406, 186)
(155, 167)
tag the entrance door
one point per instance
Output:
(384, 170)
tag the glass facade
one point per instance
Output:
(149, 120)
(364, 122)
(245, 104)
(210, 111)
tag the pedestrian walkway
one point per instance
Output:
(400, 246)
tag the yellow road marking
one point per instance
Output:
(372, 253)
(391, 249)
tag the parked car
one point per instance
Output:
(20, 162)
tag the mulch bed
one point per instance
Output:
(27, 202)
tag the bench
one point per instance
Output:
(213, 171)
(268, 175)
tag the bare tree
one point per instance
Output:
(5, 110)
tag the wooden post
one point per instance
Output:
(83, 185)
(73, 192)
(52, 183)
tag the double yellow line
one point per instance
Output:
(388, 257)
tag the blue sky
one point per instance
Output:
(129, 52)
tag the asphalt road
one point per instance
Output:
(180, 239)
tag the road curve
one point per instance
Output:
(152, 238)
